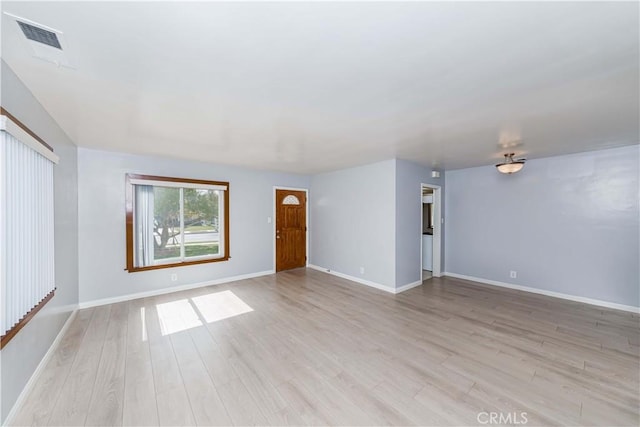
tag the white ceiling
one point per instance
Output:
(310, 87)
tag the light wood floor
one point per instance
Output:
(319, 350)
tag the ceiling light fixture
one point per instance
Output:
(509, 165)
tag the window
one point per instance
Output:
(27, 281)
(291, 200)
(174, 221)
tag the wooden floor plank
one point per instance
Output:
(72, 406)
(207, 407)
(107, 399)
(173, 404)
(140, 406)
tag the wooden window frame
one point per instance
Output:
(131, 268)
(25, 319)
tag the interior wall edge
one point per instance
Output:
(408, 286)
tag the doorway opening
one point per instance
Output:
(430, 253)
(290, 231)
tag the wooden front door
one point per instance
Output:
(291, 229)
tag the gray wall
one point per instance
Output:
(102, 225)
(409, 177)
(23, 353)
(567, 224)
(353, 214)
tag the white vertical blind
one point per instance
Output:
(26, 229)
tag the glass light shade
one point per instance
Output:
(510, 167)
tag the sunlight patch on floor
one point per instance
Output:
(177, 316)
(143, 322)
(220, 305)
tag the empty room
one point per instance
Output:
(319, 213)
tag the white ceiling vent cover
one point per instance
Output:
(46, 43)
(40, 35)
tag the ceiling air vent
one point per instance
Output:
(43, 42)
(40, 35)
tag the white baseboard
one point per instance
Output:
(155, 292)
(36, 373)
(575, 298)
(408, 286)
(354, 279)
(366, 282)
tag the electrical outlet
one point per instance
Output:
(361, 270)
(268, 220)
(174, 277)
(513, 274)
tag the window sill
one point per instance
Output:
(25, 319)
(177, 264)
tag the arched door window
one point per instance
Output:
(291, 200)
